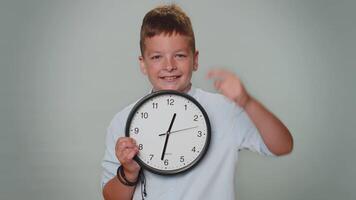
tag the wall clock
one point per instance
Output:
(172, 131)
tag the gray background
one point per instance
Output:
(68, 66)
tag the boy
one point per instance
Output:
(168, 58)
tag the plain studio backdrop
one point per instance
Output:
(68, 66)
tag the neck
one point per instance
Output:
(185, 90)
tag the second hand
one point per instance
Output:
(178, 130)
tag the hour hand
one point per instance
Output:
(167, 136)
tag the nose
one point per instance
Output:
(170, 64)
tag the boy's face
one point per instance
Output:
(169, 62)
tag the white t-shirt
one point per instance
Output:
(213, 177)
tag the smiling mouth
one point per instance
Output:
(170, 78)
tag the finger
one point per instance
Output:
(126, 139)
(124, 147)
(123, 155)
(128, 155)
(218, 74)
(124, 150)
(128, 144)
(217, 84)
(132, 154)
(133, 140)
(120, 142)
(125, 142)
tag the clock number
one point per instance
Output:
(144, 115)
(155, 105)
(193, 149)
(151, 156)
(181, 159)
(195, 118)
(140, 146)
(185, 106)
(170, 102)
(199, 134)
(136, 130)
(166, 162)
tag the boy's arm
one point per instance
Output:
(115, 190)
(274, 133)
(125, 151)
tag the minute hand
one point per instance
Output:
(178, 130)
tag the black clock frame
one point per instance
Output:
(208, 134)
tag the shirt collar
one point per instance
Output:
(191, 91)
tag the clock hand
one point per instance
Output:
(178, 130)
(167, 136)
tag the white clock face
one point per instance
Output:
(172, 132)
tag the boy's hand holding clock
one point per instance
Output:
(125, 150)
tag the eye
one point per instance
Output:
(181, 55)
(155, 57)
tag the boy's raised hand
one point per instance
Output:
(125, 151)
(229, 85)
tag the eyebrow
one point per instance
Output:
(179, 50)
(160, 52)
(154, 52)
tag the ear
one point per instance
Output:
(195, 60)
(142, 65)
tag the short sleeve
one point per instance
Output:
(248, 135)
(110, 163)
